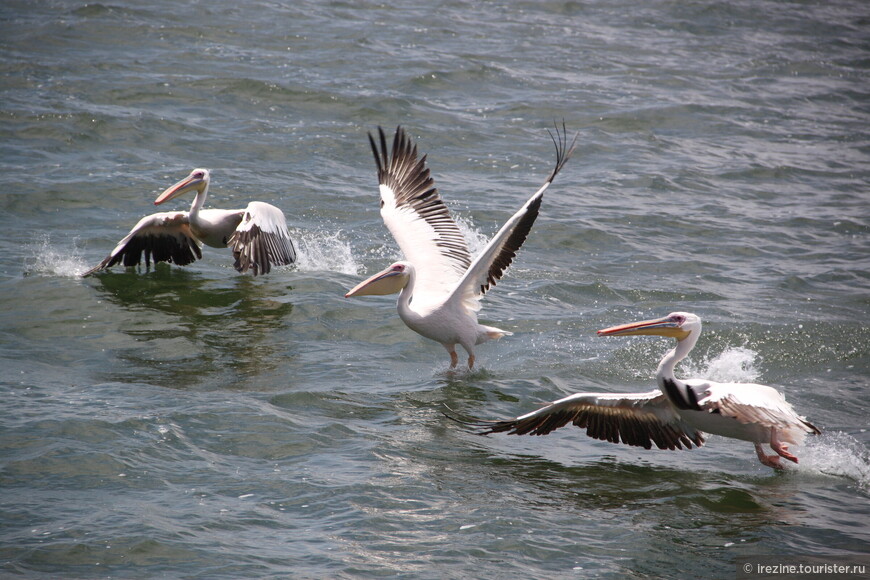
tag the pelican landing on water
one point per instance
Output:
(439, 286)
(257, 235)
(677, 414)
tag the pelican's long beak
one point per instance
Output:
(659, 327)
(385, 282)
(192, 181)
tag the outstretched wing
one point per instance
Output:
(161, 237)
(641, 419)
(261, 240)
(417, 217)
(491, 263)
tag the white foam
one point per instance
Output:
(733, 365)
(48, 260)
(319, 251)
(837, 453)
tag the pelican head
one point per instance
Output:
(677, 325)
(389, 281)
(197, 180)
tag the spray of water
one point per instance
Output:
(837, 453)
(733, 365)
(315, 251)
(45, 259)
(476, 241)
(318, 251)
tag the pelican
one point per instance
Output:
(439, 286)
(257, 235)
(679, 413)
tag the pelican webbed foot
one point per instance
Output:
(780, 447)
(768, 460)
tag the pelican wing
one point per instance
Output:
(634, 419)
(498, 254)
(161, 237)
(752, 403)
(417, 217)
(261, 239)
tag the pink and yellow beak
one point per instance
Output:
(196, 180)
(388, 281)
(666, 326)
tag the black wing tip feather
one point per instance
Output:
(382, 155)
(563, 150)
(402, 148)
(400, 167)
(99, 267)
(812, 428)
(375, 150)
(509, 426)
(480, 426)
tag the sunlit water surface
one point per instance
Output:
(196, 423)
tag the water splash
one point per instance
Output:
(837, 453)
(476, 241)
(48, 260)
(733, 365)
(319, 251)
(832, 453)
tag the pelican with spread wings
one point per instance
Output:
(439, 284)
(257, 235)
(677, 414)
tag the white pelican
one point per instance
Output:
(678, 414)
(257, 235)
(439, 286)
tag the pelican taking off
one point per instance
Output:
(439, 286)
(677, 414)
(257, 235)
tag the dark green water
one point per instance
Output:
(195, 423)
